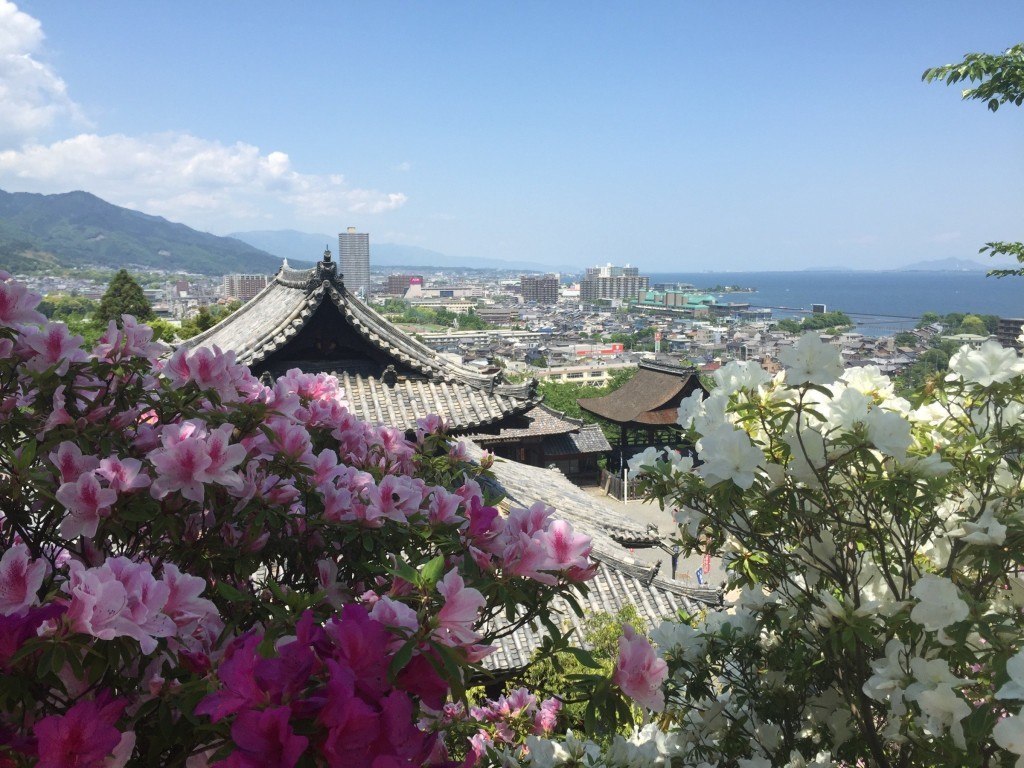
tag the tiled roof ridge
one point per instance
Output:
(707, 595)
(197, 340)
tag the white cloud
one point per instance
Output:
(186, 178)
(204, 183)
(32, 97)
(402, 167)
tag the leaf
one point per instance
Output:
(584, 657)
(432, 572)
(401, 658)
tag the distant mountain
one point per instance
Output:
(952, 264)
(44, 232)
(289, 244)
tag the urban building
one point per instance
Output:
(540, 289)
(354, 255)
(1008, 331)
(243, 287)
(615, 284)
(397, 285)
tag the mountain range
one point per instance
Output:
(290, 244)
(78, 229)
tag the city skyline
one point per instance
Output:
(671, 137)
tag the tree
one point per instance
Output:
(1000, 80)
(973, 324)
(124, 296)
(905, 339)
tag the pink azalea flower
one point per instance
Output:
(461, 610)
(84, 736)
(54, 345)
(86, 502)
(566, 548)
(20, 579)
(184, 604)
(444, 507)
(395, 615)
(123, 475)
(180, 463)
(223, 458)
(17, 304)
(639, 673)
(70, 462)
(118, 599)
(546, 719)
(395, 498)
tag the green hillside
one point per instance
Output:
(40, 233)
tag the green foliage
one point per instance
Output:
(402, 312)
(61, 307)
(816, 322)
(205, 319)
(562, 395)
(642, 340)
(999, 77)
(124, 296)
(974, 324)
(558, 674)
(958, 322)
(905, 339)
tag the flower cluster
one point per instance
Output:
(873, 543)
(200, 569)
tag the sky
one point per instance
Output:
(676, 136)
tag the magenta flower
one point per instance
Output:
(237, 673)
(265, 740)
(86, 502)
(639, 673)
(461, 610)
(16, 628)
(84, 736)
(20, 580)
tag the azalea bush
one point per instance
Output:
(873, 545)
(198, 569)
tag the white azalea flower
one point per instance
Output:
(729, 455)
(646, 458)
(985, 531)
(939, 603)
(887, 680)
(737, 375)
(845, 412)
(811, 361)
(1008, 733)
(941, 708)
(690, 407)
(1014, 689)
(889, 432)
(868, 380)
(989, 364)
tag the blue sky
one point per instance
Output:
(676, 136)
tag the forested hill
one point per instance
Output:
(42, 232)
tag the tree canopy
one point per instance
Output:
(124, 296)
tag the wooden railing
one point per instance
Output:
(613, 485)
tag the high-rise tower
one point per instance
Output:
(354, 256)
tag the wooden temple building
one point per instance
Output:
(307, 319)
(645, 408)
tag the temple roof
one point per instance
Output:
(650, 398)
(522, 485)
(619, 581)
(561, 435)
(307, 319)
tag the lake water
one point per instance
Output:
(880, 302)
